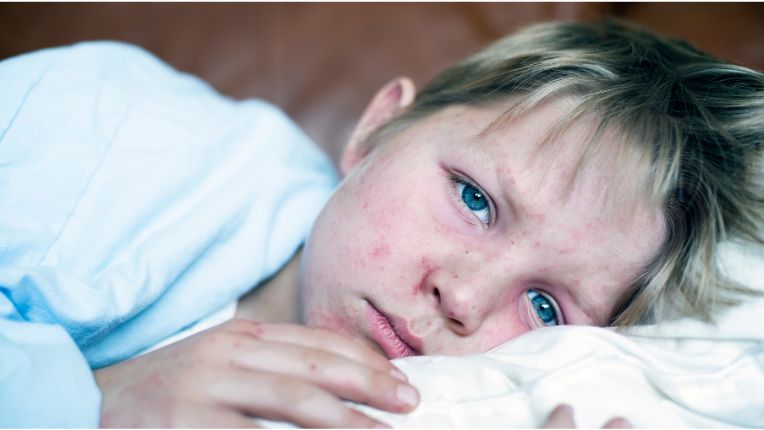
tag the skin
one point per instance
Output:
(398, 236)
(397, 247)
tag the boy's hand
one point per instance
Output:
(562, 417)
(241, 369)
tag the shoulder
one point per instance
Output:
(90, 64)
(102, 51)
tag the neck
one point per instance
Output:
(275, 300)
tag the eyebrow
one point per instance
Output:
(505, 188)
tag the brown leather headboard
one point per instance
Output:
(322, 62)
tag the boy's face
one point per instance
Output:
(445, 241)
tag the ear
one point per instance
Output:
(389, 101)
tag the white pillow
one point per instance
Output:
(692, 383)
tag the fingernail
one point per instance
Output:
(407, 394)
(620, 423)
(399, 375)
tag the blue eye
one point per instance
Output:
(544, 307)
(475, 200)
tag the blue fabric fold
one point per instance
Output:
(134, 201)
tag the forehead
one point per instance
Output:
(560, 154)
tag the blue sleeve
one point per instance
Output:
(37, 391)
(45, 381)
(134, 200)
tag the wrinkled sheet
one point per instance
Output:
(652, 382)
(683, 373)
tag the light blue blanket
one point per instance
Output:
(134, 200)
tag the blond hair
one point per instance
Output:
(699, 120)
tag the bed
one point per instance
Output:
(677, 374)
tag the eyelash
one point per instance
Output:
(558, 317)
(459, 181)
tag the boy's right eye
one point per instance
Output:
(544, 307)
(475, 199)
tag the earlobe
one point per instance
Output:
(388, 102)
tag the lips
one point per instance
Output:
(387, 334)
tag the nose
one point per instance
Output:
(463, 305)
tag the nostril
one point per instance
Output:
(437, 294)
(456, 323)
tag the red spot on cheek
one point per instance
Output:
(380, 250)
(426, 264)
(427, 267)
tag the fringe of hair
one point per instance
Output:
(698, 121)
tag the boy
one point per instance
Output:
(569, 174)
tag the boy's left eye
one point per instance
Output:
(475, 200)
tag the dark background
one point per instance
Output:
(322, 62)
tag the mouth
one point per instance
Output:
(388, 335)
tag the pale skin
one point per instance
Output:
(446, 236)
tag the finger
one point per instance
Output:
(617, 423)
(315, 337)
(199, 415)
(286, 398)
(560, 417)
(344, 377)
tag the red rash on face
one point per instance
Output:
(426, 268)
(415, 289)
(380, 250)
(440, 264)
(426, 264)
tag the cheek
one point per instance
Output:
(380, 250)
(495, 336)
(389, 225)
